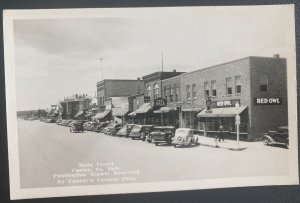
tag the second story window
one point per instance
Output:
(206, 89)
(156, 90)
(188, 93)
(214, 88)
(171, 94)
(194, 96)
(148, 90)
(176, 93)
(228, 86)
(264, 82)
(165, 92)
(238, 85)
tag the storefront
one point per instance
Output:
(103, 116)
(211, 120)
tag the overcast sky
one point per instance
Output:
(60, 57)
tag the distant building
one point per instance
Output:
(75, 107)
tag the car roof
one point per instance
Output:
(164, 127)
(185, 129)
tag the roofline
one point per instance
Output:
(178, 76)
(232, 61)
(102, 81)
(160, 72)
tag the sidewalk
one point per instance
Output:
(227, 144)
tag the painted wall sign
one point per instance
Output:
(160, 102)
(225, 103)
(268, 101)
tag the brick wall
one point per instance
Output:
(266, 117)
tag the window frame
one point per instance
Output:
(188, 93)
(213, 82)
(266, 84)
(206, 89)
(229, 85)
(236, 85)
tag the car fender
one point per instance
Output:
(268, 137)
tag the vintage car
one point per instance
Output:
(101, 126)
(113, 128)
(281, 137)
(185, 136)
(125, 130)
(76, 127)
(140, 131)
(162, 134)
(92, 126)
(86, 125)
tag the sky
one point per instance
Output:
(59, 57)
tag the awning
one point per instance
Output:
(101, 115)
(222, 112)
(144, 108)
(89, 115)
(79, 113)
(132, 114)
(119, 111)
(164, 109)
(196, 109)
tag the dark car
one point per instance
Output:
(125, 130)
(162, 134)
(281, 137)
(113, 129)
(92, 126)
(140, 131)
(101, 126)
(76, 127)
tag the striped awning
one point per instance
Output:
(222, 112)
(101, 114)
(144, 108)
(79, 113)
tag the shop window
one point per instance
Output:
(228, 86)
(188, 93)
(155, 90)
(264, 80)
(214, 88)
(238, 86)
(206, 89)
(148, 90)
(194, 91)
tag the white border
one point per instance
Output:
(18, 193)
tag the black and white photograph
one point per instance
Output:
(135, 100)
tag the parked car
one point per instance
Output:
(184, 136)
(162, 134)
(113, 128)
(77, 127)
(140, 131)
(92, 126)
(86, 125)
(281, 137)
(101, 126)
(125, 130)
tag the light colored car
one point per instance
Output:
(184, 136)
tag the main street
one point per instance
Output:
(50, 155)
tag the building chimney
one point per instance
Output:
(276, 56)
(174, 70)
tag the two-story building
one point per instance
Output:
(255, 88)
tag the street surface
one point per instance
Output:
(50, 155)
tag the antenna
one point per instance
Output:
(101, 59)
(162, 61)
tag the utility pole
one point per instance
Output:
(101, 59)
(162, 61)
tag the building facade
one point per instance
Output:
(255, 88)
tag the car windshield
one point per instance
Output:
(136, 128)
(158, 130)
(182, 131)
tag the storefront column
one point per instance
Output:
(205, 128)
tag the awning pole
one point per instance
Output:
(162, 119)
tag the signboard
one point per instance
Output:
(268, 101)
(146, 99)
(208, 104)
(225, 103)
(159, 102)
(237, 120)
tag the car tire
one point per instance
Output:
(266, 141)
(132, 138)
(149, 141)
(156, 143)
(174, 146)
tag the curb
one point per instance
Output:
(229, 148)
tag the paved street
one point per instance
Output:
(51, 156)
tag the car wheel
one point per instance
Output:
(71, 130)
(149, 141)
(169, 141)
(132, 138)
(156, 143)
(174, 146)
(287, 145)
(266, 141)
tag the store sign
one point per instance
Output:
(268, 101)
(160, 102)
(146, 99)
(225, 103)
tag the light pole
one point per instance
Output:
(237, 123)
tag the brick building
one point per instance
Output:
(257, 84)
